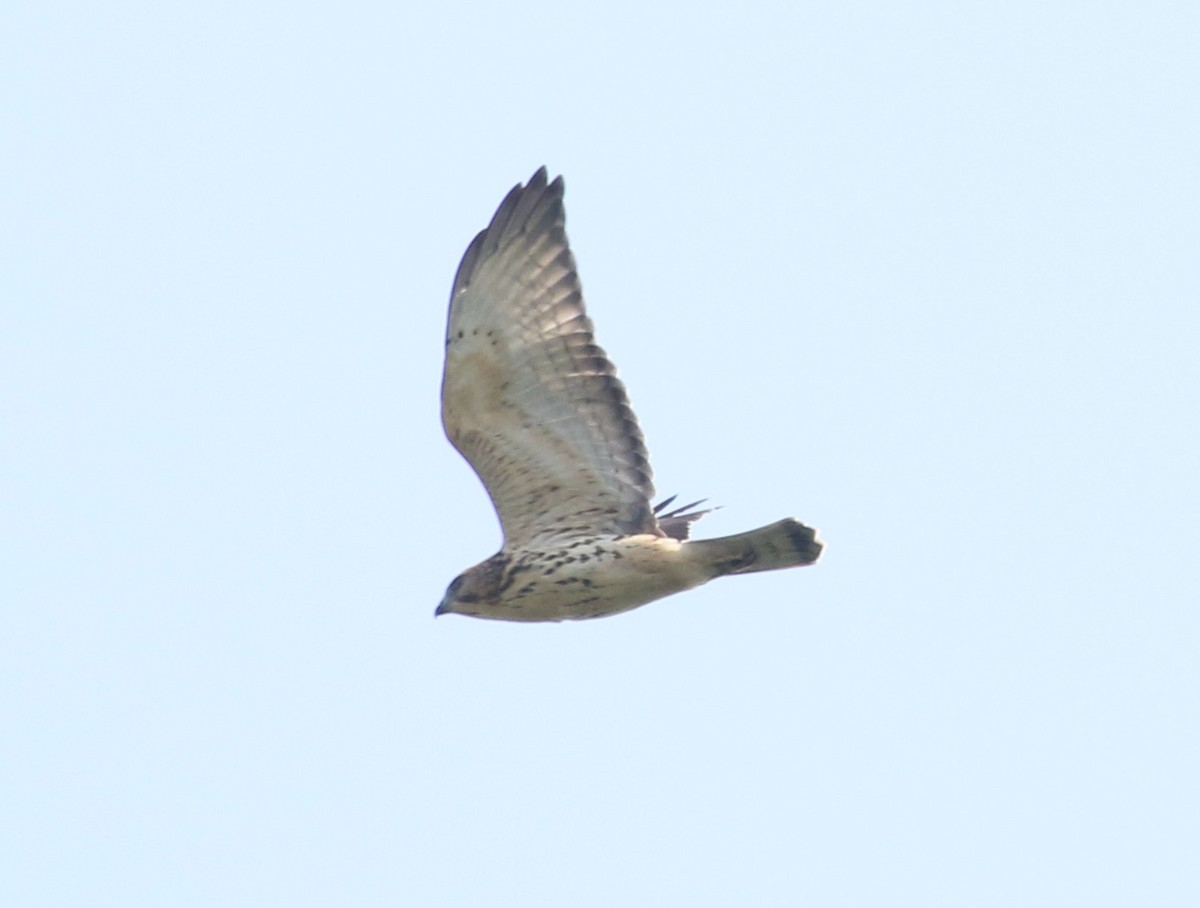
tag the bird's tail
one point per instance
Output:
(787, 543)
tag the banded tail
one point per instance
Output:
(784, 544)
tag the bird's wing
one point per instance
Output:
(528, 398)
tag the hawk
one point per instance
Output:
(535, 407)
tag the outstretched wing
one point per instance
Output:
(528, 398)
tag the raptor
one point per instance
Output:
(534, 405)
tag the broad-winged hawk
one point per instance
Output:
(535, 406)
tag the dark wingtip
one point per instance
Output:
(491, 235)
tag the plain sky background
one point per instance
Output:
(923, 275)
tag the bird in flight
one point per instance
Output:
(535, 407)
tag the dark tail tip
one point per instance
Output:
(805, 543)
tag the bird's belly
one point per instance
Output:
(594, 580)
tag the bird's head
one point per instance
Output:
(473, 590)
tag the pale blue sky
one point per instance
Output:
(922, 275)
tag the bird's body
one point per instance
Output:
(535, 406)
(585, 578)
(598, 576)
